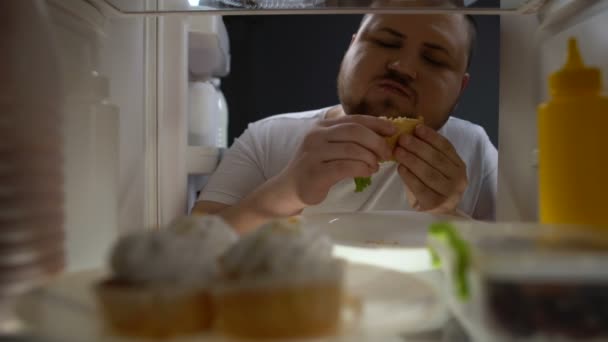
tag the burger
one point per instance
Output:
(404, 125)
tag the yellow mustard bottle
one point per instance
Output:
(573, 146)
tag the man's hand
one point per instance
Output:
(347, 147)
(434, 174)
(335, 149)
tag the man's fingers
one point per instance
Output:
(424, 172)
(427, 198)
(348, 151)
(439, 142)
(356, 133)
(428, 153)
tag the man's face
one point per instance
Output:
(412, 65)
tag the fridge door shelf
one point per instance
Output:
(202, 160)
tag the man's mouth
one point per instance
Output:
(396, 88)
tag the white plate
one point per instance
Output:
(377, 228)
(393, 303)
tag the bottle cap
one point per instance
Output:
(575, 76)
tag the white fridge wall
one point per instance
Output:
(124, 51)
(122, 60)
(133, 53)
(78, 29)
(519, 96)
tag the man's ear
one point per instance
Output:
(465, 82)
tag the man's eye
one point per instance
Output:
(433, 61)
(386, 44)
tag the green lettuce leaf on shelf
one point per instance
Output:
(448, 235)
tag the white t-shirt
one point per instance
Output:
(267, 146)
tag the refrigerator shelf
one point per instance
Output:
(253, 7)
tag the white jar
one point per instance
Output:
(207, 115)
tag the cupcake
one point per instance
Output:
(280, 281)
(160, 280)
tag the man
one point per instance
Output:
(396, 65)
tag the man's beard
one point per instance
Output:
(386, 107)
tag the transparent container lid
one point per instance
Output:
(525, 250)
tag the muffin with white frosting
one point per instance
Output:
(280, 281)
(160, 280)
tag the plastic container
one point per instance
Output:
(208, 47)
(572, 146)
(524, 282)
(31, 174)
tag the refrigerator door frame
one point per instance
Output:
(166, 132)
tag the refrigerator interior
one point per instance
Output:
(140, 49)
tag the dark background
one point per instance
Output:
(289, 63)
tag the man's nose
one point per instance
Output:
(404, 66)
